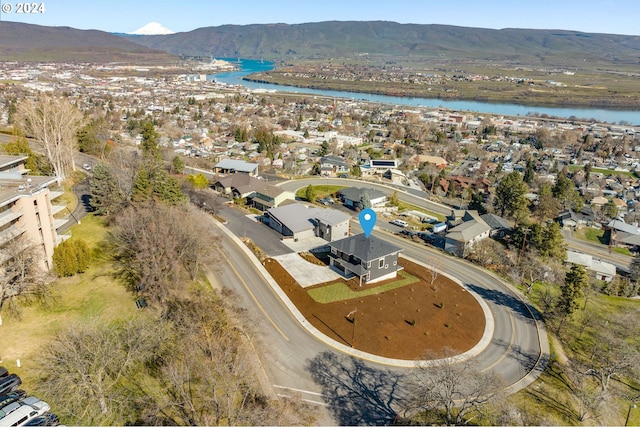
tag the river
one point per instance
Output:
(249, 66)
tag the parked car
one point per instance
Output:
(35, 402)
(399, 223)
(10, 397)
(46, 419)
(7, 409)
(408, 233)
(22, 415)
(9, 383)
(86, 166)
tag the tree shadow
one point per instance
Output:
(519, 307)
(357, 394)
(86, 202)
(526, 360)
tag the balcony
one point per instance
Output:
(57, 209)
(10, 233)
(55, 194)
(9, 216)
(57, 223)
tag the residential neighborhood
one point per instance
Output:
(544, 207)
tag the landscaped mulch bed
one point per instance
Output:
(404, 323)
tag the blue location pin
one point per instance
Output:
(367, 220)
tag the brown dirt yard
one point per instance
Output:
(404, 322)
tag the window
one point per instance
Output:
(381, 263)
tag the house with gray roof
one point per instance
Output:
(500, 227)
(619, 233)
(461, 238)
(351, 197)
(237, 185)
(270, 196)
(601, 270)
(299, 221)
(370, 259)
(333, 166)
(232, 166)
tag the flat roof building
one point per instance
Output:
(26, 211)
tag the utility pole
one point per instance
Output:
(524, 241)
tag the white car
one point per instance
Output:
(25, 412)
(399, 223)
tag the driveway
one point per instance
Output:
(306, 273)
(243, 225)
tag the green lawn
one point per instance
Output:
(605, 172)
(321, 191)
(592, 234)
(78, 298)
(623, 251)
(341, 292)
(403, 206)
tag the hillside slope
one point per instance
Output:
(27, 42)
(344, 39)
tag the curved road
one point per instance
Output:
(518, 350)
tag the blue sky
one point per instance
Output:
(601, 16)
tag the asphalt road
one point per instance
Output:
(298, 363)
(406, 194)
(600, 251)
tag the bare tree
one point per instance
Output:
(84, 369)
(435, 264)
(20, 276)
(159, 249)
(614, 352)
(54, 123)
(451, 392)
(588, 399)
(210, 378)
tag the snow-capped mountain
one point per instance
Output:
(152, 29)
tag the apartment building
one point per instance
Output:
(26, 211)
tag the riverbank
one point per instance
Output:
(257, 70)
(536, 94)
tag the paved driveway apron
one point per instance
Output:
(243, 225)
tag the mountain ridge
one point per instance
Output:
(347, 38)
(349, 41)
(38, 43)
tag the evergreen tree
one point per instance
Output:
(576, 281)
(106, 196)
(324, 149)
(310, 193)
(149, 144)
(548, 206)
(565, 191)
(365, 201)
(529, 174)
(142, 185)
(356, 171)
(510, 195)
(476, 203)
(70, 257)
(177, 165)
(553, 245)
(36, 163)
(587, 172)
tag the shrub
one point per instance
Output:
(70, 257)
